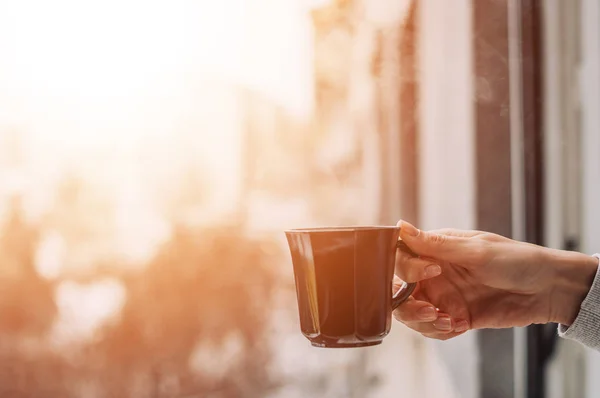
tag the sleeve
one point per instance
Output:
(586, 328)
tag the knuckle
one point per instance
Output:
(480, 249)
(437, 239)
(490, 237)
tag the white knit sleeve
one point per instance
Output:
(586, 327)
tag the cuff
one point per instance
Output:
(585, 327)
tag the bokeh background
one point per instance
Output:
(152, 153)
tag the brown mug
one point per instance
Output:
(344, 281)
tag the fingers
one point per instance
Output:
(424, 318)
(459, 327)
(434, 245)
(442, 328)
(416, 311)
(414, 269)
(443, 324)
(443, 336)
(459, 233)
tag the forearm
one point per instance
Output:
(574, 274)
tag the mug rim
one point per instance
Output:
(354, 228)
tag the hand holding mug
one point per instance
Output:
(475, 280)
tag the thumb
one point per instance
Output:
(433, 245)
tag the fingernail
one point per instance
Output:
(427, 314)
(409, 230)
(432, 270)
(461, 326)
(444, 323)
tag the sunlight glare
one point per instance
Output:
(96, 68)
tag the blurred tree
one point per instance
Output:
(27, 306)
(82, 213)
(204, 288)
(32, 376)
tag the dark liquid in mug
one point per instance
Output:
(344, 283)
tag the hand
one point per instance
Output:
(474, 280)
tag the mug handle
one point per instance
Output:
(407, 288)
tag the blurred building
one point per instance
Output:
(503, 99)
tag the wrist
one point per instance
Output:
(573, 277)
